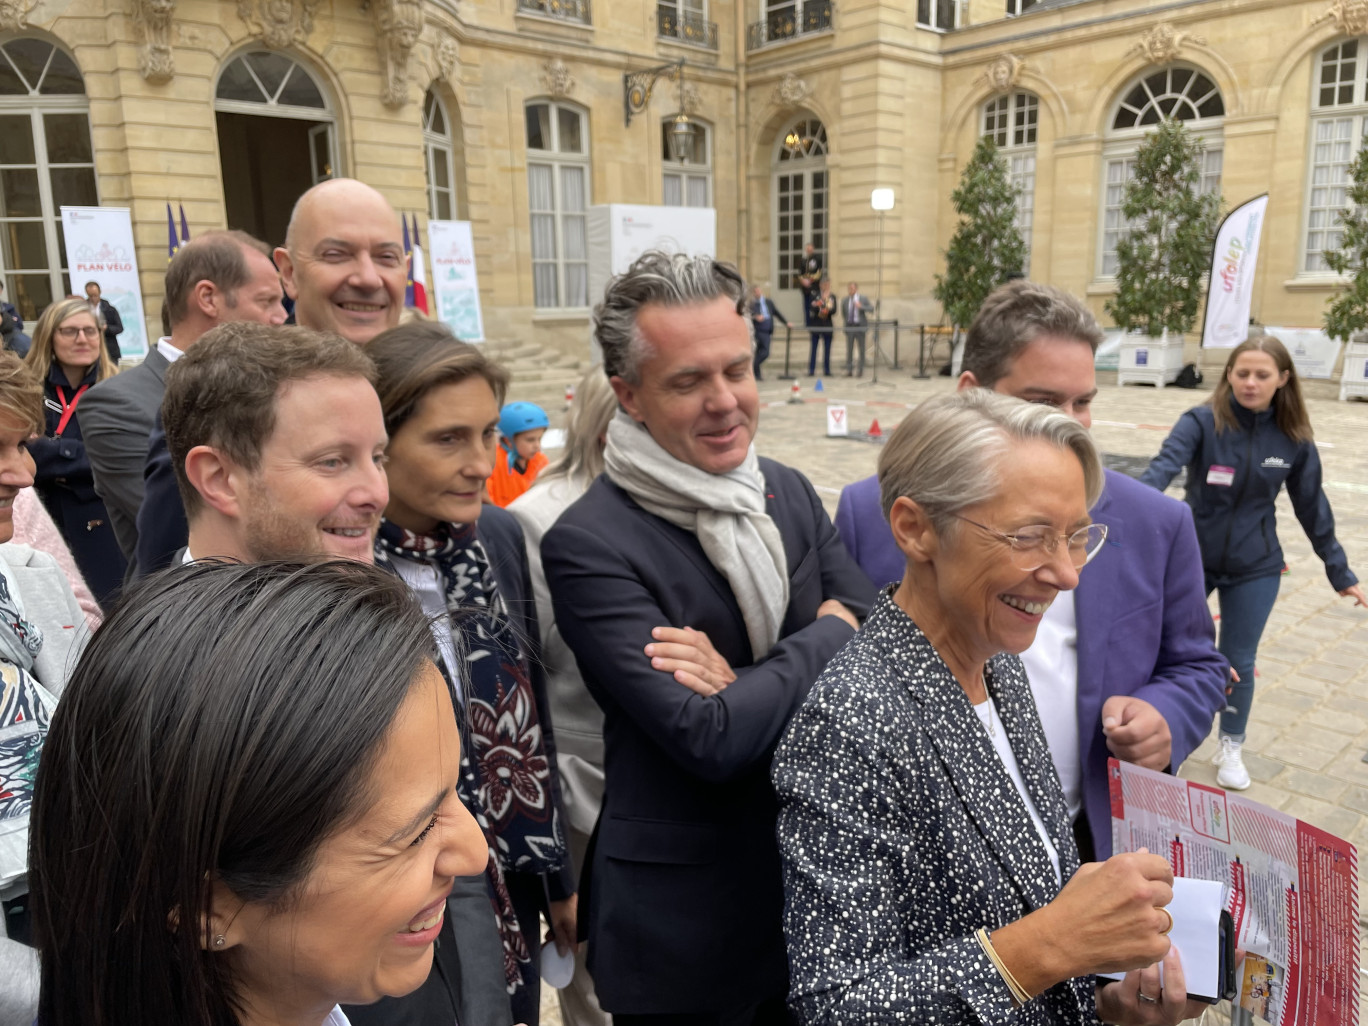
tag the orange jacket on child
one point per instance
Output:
(506, 484)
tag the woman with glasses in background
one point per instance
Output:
(930, 870)
(68, 356)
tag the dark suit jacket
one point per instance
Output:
(765, 325)
(1143, 624)
(902, 834)
(118, 416)
(682, 893)
(113, 328)
(162, 527)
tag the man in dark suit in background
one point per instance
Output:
(104, 310)
(689, 565)
(216, 277)
(763, 312)
(855, 310)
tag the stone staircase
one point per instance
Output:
(539, 373)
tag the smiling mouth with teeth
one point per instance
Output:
(419, 925)
(362, 307)
(349, 532)
(1033, 608)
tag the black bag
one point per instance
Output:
(1189, 376)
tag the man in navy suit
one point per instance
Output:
(702, 591)
(1126, 665)
(763, 312)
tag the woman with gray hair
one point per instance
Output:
(931, 874)
(578, 719)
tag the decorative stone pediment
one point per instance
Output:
(446, 53)
(556, 77)
(152, 18)
(1349, 16)
(1004, 72)
(14, 14)
(398, 24)
(279, 23)
(791, 91)
(1163, 42)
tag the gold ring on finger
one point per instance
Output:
(1168, 915)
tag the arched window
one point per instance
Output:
(46, 162)
(558, 199)
(687, 182)
(1010, 121)
(1339, 119)
(801, 191)
(438, 159)
(1176, 92)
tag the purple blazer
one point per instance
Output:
(1143, 624)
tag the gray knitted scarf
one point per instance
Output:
(725, 511)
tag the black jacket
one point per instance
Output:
(1237, 523)
(682, 893)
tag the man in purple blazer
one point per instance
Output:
(1126, 664)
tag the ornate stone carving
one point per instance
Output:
(693, 99)
(279, 23)
(153, 21)
(446, 54)
(1163, 42)
(1350, 16)
(556, 77)
(398, 23)
(791, 91)
(1004, 72)
(14, 14)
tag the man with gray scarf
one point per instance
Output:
(702, 590)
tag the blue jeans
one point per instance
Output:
(1244, 612)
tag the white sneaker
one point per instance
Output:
(1232, 775)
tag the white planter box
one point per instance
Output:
(1150, 361)
(1354, 374)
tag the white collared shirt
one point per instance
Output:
(1052, 669)
(167, 350)
(425, 580)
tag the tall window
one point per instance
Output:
(938, 14)
(801, 188)
(688, 183)
(558, 197)
(1010, 121)
(1339, 121)
(438, 159)
(1179, 93)
(46, 162)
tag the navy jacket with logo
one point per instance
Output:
(1236, 522)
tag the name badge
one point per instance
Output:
(1224, 476)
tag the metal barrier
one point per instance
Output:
(938, 333)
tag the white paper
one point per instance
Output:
(838, 424)
(1196, 933)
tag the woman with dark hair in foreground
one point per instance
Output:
(246, 809)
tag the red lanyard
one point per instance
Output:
(68, 408)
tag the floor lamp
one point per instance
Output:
(882, 201)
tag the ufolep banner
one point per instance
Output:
(454, 284)
(99, 248)
(1231, 286)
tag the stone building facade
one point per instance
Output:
(512, 114)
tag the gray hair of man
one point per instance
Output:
(585, 426)
(1015, 315)
(666, 279)
(948, 453)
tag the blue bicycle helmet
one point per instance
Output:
(514, 419)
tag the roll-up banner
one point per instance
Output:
(99, 248)
(455, 287)
(1231, 286)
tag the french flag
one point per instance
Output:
(417, 275)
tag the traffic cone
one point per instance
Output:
(874, 430)
(818, 387)
(796, 393)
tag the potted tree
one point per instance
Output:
(1346, 316)
(1163, 254)
(986, 248)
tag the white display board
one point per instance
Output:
(1313, 352)
(99, 248)
(455, 287)
(621, 232)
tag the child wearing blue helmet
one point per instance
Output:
(520, 459)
